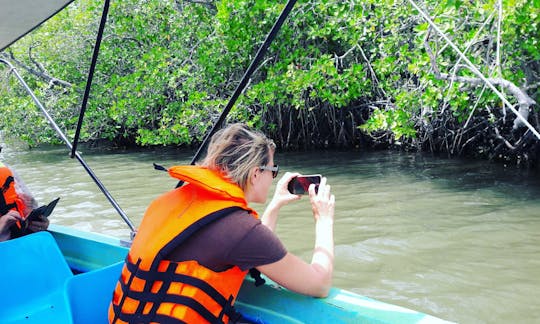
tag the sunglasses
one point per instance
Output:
(274, 169)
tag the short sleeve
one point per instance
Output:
(236, 239)
(258, 247)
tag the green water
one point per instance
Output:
(452, 238)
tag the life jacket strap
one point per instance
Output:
(7, 183)
(230, 311)
(4, 206)
(256, 274)
(159, 167)
(162, 297)
(166, 277)
(153, 316)
(125, 288)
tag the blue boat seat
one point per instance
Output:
(33, 276)
(90, 293)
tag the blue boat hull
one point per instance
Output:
(67, 276)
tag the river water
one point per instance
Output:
(457, 239)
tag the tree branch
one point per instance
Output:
(210, 4)
(50, 79)
(524, 100)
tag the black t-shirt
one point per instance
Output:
(236, 239)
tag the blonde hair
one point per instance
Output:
(236, 150)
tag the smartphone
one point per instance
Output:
(300, 185)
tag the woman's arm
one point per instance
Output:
(315, 278)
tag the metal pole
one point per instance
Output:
(90, 76)
(66, 140)
(260, 53)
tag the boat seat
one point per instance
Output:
(90, 293)
(33, 275)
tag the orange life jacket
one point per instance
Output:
(154, 289)
(9, 200)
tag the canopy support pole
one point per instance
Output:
(90, 76)
(77, 155)
(247, 75)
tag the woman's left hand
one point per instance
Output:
(282, 196)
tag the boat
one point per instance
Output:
(64, 275)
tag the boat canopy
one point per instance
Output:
(19, 17)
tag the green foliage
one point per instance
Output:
(398, 121)
(407, 76)
(167, 69)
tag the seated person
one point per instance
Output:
(196, 243)
(16, 203)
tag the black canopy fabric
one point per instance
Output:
(19, 17)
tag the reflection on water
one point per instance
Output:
(456, 239)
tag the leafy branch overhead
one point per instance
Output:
(523, 99)
(340, 74)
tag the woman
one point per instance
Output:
(196, 243)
